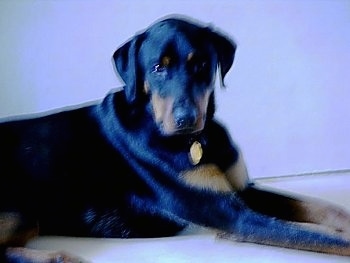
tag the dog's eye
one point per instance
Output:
(158, 68)
(202, 66)
(162, 66)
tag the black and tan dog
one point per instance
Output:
(149, 160)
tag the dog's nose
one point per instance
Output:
(184, 118)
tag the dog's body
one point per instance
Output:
(150, 159)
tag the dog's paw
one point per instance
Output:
(25, 255)
(338, 219)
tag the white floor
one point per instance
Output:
(199, 245)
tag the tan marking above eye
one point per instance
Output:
(207, 176)
(190, 56)
(166, 61)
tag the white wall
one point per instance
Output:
(287, 96)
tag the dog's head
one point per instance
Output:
(173, 66)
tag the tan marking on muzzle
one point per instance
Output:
(202, 106)
(162, 110)
(145, 87)
(207, 176)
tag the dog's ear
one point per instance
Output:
(225, 49)
(126, 63)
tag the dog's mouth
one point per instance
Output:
(169, 128)
(184, 131)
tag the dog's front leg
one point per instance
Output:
(291, 208)
(228, 213)
(250, 226)
(327, 229)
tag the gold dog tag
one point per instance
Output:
(196, 153)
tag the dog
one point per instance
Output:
(149, 159)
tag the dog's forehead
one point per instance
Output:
(177, 25)
(180, 34)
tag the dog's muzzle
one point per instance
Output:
(185, 119)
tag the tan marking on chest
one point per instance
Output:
(207, 176)
(237, 174)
